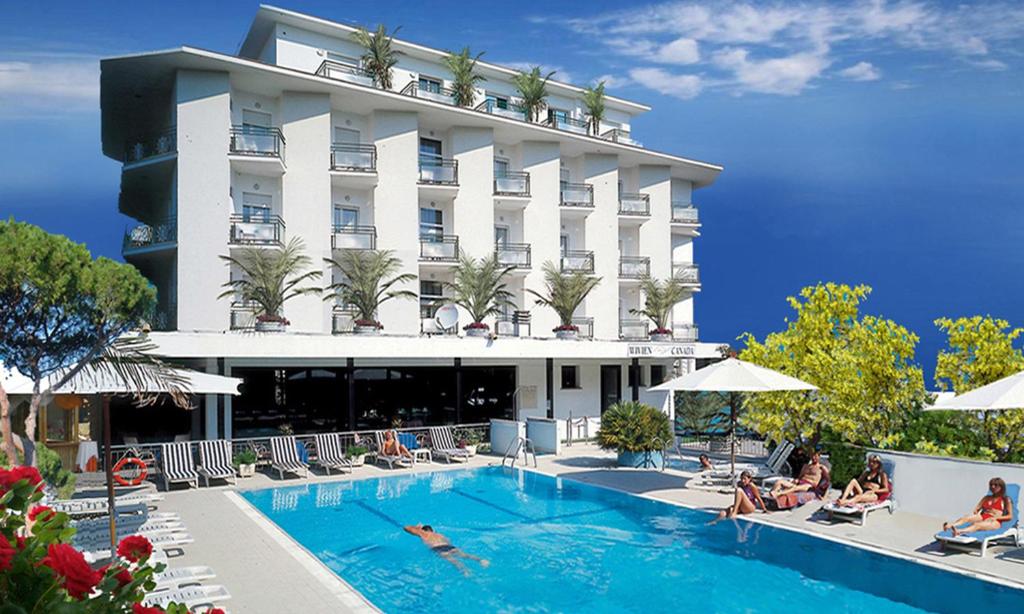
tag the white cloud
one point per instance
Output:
(560, 73)
(786, 76)
(989, 64)
(613, 81)
(48, 84)
(679, 51)
(861, 71)
(659, 80)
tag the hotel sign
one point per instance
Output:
(661, 350)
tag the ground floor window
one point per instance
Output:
(570, 376)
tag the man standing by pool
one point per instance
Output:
(442, 546)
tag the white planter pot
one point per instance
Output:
(247, 471)
(661, 336)
(271, 326)
(471, 448)
(567, 334)
(366, 330)
(358, 461)
(478, 332)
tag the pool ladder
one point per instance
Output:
(515, 447)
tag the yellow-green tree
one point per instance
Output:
(868, 382)
(980, 350)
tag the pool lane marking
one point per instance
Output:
(380, 515)
(493, 505)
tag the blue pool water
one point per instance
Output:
(563, 546)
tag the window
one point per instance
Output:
(657, 374)
(636, 376)
(431, 297)
(430, 150)
(255, 119)
(501, 236)
(430, 84)
(346, 135)
(558, 115)
(563, 244)
(500, 167)
(497, 102)
(345, 217)
(431, 224)
(570, 377)
(564, 177)
(256, 207)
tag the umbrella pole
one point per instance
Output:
(108, 464)
(732, 439)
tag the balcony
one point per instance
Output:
(354, 237)
(636, 205)
(416, 89)
(568, 124)
(243, 315)
(585, 326)
(633, 329)
(252, 231)
(164, 318)
(146, 238)
(257, 141)
(512, 184)
(151, 148)
(439, 248)
(509, 110)
(685, 332)
(685, 213)
(341, 71)
(577, 261)
(618, 135)
(439, 171)
(515, 325)
(515, 255)
(687, 273)
(634, 267)
(343, 320)
(576, 195)
(356, 157)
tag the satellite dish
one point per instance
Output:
(447, 316)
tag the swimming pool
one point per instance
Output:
(562, 546)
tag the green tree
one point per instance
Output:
(593, 102)
(629, 426)
(479, 287)
(271, 277)
(979, 351)
(368, 280)
(701, 413)
(660, 297)
(464, 76)
(379, 55)
(533, 92)
(564, 292)
(863, 366)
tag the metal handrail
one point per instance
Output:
(570, 256)
(519, 445)
(554, 120)
(634, 267)
(617, 135)
(151, 145)
(328, 66)
(150, 235)
(429, 162)
(236, 237)
(413, 88)
(686, 272)
(515, 250)
(586, 188)
(489, 105)
(625, 324)
(584, 327)
(275, 134)
(512, 176)
(370, 232)
(452, 240)
(354, 148)
(684, 214)
(643, 200)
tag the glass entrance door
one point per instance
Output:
(611, 385)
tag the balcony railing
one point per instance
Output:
(511, 111)
(343, 319)
(151, 146)
(164, 318)
(686, 272)
(634, 267)
(342, 71)
(630, 328)
(354, 237)
(512, 183)
(257, 141)
(354, 157)
(243, 315)
(145, 236)
(685, 332)
(634, 204)
(585, 326)
(568, 124)
(439, 248)
(443, 95)
(515, 255)
(516, 324)
(577, 261)
(256, 230)
(577, 195)
(441, 171)
(618, 135)
(684, 213)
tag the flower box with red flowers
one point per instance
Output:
(566, 328)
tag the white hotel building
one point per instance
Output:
(289, 138)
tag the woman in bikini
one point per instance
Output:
(871, 487)
(993, 510)
(393, 447)
(748, 499)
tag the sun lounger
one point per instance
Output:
(329, 453)
(178, 464)
(97, 547)
(191, 597)
(860, 511)
(1010, 531)
(284, 457)
(443, 443)
(391, 460)
(98, 505)
(215, 460)
(174, 578)
(771, 468)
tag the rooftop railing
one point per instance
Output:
(634, 204)
(568, 124)
(439, 248)
(146, 236)
(512, 183)
(685, 332)
(634, 267)
(343, 319)
(618, 135)
(684, 213)
(151, 145)
(576, 195)
(577, 261)
(416, 89)
(257, 141)
(354, 157)
(509, 110)
(243, 315)
(515, 324)
(342, 71)
(633, 328)
(354, 237)
(585, 326)
(686, 272)
(513, 254)
(256, 230)
(440, 171)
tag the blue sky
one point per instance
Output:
(863, 142)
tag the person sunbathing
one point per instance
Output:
(989, 514)
(442, 546)
(810, 478)
(393, 447)
(872, 486)
(705, 463)
(747, 500)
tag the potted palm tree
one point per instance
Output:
(368, 280)
(638, 432)
(464, 76)
(593, 101)
(659, 299)
(379, 56)
(478, 286)
(270, 278)
(533, 92)
(564, 292)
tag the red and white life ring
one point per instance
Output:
(130, 461)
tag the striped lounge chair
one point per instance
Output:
(178, 464)
(391, 460)
(284, 457)
(443, 443)
(329, 453)
(215, 460)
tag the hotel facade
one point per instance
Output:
(290, 138)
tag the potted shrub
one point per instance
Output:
(660, 297)
(270, 278)
(637, 432)
(478, 286)
(565, 292)
(379, 56)
(368, 280)
(593, 102)
(464, 76)
(469, 439)
(532, 88)
(357, 455)
(245, 463)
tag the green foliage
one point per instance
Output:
(379, 55)
(863, 366)
(244, 457)
(478, 286)
(701, 413)
(53, 471)
(564, 292)
(660, 297)
(533, 91)
(847, 461)
(593, 102)
(271, 277)
(368, 280)
(629, 426)
(464, 76)
(355, 451)
(469, 437)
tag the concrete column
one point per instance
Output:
(210, 429)
(655, 233)
(602, 228)
(541, 226)
(473, 148)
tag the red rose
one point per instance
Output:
(22, 542)
(135, 548)
(215, 611)
(78, 578)
(7, 553)
(41, 510)
(138, 608)
(9, 477)
(123, 576)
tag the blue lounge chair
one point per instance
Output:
(1009, 531)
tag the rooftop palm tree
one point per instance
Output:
(368, 281)
(564, 292)
(593, 101)
(379, 57)
(270, 278)
(659, 299)
(464, 76)
(533, 91)
(478, 286)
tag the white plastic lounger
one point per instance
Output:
(1011, 531)
(443, 443)
(329, 453)
(178, 464)
(98, 505)
(391, 460)
(174, 578)
(215, 461)
(772, 467)
(191, 597)
(284, 457)
(98, 548)
(860, 511)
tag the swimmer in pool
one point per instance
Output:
(442, 546)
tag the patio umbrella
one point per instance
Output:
(733, 376)
(1006, 393)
